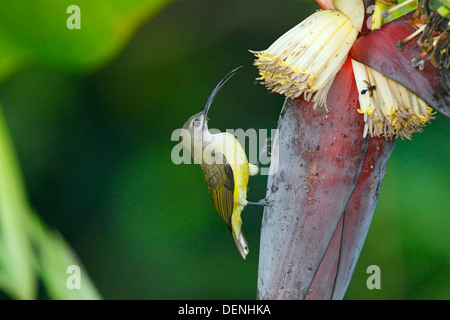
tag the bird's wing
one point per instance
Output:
(220, 181)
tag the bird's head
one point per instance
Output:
(196, 127)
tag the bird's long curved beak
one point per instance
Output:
(217, 89)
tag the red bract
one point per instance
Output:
(337, 266)
(324, 194)
(321, 155)
(325, 4)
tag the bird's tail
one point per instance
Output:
(241, 244)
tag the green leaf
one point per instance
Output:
(16, 265)
(55, 257)
(35, 31)
(39, 32)
(21, 230)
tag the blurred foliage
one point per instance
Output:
(95, 152)
(34, 33)
(27, 248)
(16, 272)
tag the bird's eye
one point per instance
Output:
(196, 122)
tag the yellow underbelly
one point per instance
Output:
(240, 196)
(236, 157)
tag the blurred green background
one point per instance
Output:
(92, 128)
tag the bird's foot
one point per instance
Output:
(263, 202)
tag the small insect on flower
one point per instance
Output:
(370, 88)
(392, 110)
